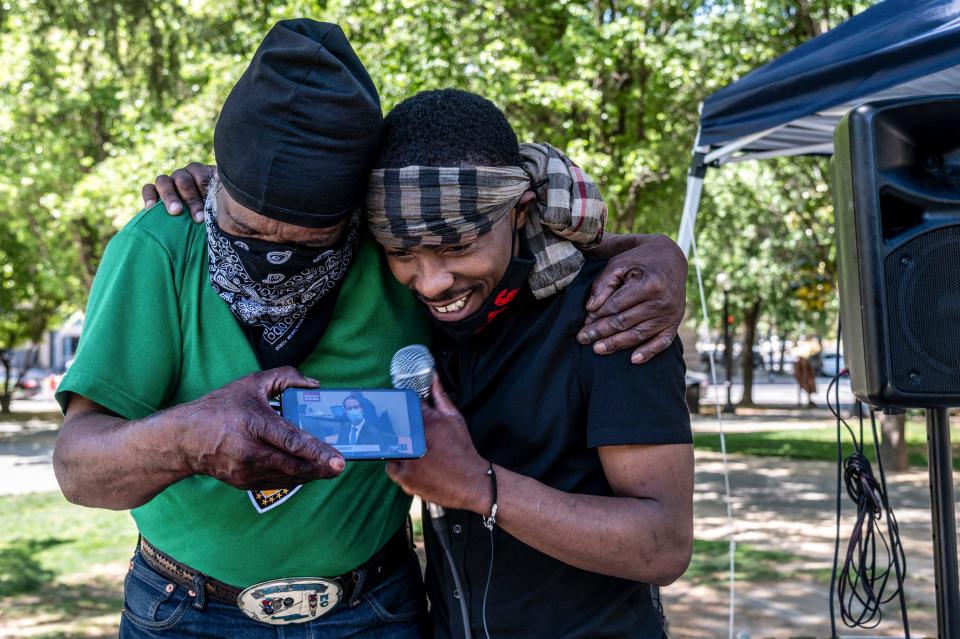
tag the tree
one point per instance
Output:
(107, 93)
(893, 441)
(31, 293)
(93, 82)
(770, 226)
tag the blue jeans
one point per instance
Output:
(394, 609)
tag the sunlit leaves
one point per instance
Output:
(105, 94)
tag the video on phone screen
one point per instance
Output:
(358, 422)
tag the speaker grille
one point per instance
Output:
(923, 309)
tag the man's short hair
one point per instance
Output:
(447, 127)
(357, 397)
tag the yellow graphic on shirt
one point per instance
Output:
(264, 500)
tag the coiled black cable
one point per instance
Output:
(872, 558)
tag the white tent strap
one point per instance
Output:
(813, 149)
(723, 444)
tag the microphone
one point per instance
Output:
(413, 368)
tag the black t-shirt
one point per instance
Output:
(538, 403)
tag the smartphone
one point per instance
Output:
(361, 423)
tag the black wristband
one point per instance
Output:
(491, 521)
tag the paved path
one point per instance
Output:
(780, 392)
(755, 421)
(26, 448)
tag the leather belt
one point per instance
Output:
(354, 583)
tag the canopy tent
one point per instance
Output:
(791, 106)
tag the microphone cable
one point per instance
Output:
(413, 368)
(486, 587)
(440, 527)
(862, 582)
(899, 555)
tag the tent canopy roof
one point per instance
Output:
(792, 105)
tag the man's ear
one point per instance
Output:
(522, 206)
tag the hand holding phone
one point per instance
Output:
(371, 424)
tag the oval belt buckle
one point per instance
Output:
(285, 601)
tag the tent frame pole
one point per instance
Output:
(815, 149)
(691, 202)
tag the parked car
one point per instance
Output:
(696, 387)
(831, 364)
(31, 383)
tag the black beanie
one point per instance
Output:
(300, 130)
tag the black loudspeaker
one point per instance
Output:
(896, 190)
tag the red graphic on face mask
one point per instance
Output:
(504, 297)
(502, 301)
(493, 314)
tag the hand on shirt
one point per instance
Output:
(452, 474)
(186, 186)
(638, 301)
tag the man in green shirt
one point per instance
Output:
(282, 275)
(166, 403)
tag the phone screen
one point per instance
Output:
(362, 423)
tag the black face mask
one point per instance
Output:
(282, 295)
(497, 303)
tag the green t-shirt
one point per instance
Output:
(156, 335)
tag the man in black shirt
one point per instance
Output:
(567, 476)
(591, 453)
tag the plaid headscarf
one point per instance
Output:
(442, 206)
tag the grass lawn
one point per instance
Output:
(819, 444)
(710, 564)
(61, 567)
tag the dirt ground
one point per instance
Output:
(779, 505)
(790, 505)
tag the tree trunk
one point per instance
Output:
(893, 442)
(746, 355)
(6, 391)
(783, 352)
(769, 365)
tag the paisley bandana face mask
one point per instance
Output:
(282, 295)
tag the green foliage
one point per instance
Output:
(105, 94)
(769, 225)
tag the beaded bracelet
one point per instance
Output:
(491, 521)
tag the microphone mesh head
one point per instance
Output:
(412, 368)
